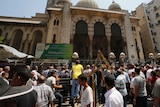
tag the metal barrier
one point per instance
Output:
(65, 91)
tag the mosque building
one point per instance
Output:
(84, 25)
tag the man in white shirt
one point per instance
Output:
(148, 76)
(149, 70)
(51, 81)
(120, 85)
(86, 92)
(113, 97)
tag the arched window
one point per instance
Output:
(81, 39)
(37, 38)
(17, 39)
(54, 38)
(56, 22)
(81, 28)
(117, 42)
(99, 29)
(99, 39)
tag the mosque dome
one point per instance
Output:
(87, 4)
(115, 6)
(63, 1)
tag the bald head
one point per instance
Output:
(41, 79)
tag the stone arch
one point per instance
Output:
(117, 44)
(37, 38)
(17, 39)
(99, 39)
(76, 19)
(111, 21)
(98, 19)
(101, 20)
(81, 41)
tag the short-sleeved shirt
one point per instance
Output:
(87, 97)
(156, 89)
(141, 81)
(121, 84)
(45, 94)
(50, 81)
(77, 70)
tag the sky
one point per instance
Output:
(28, 8)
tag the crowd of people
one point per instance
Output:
(37, 87)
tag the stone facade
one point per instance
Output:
(87, 27)
(149, 15)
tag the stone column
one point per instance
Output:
(22, 45)
(28, 47)
(50, 28)
(90, 49)
(109, 40)
(90, 46)
(108, 35)
(132, 56)
(66, 24)
(26, 43)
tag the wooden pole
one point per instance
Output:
(94, 91)
(100, 56)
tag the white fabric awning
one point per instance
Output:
(10, 52)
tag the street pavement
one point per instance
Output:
(78, 105)
(66, 104)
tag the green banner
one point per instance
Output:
(54, 51)
(1, 39)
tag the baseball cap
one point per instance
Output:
(7, 91)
